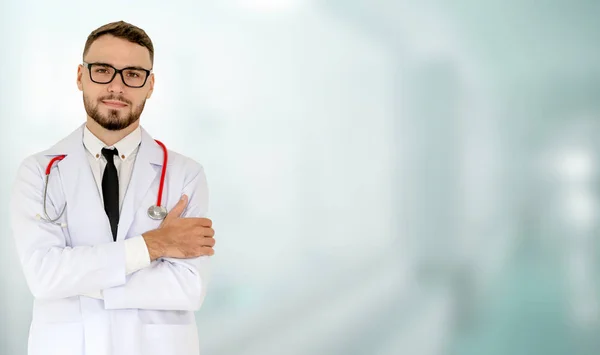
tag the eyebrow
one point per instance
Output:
(127, 67)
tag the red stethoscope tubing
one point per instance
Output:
(162, 174)
(57, 158)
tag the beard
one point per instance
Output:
(115, 120)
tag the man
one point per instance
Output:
(107, 278)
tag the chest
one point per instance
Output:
(87, 222)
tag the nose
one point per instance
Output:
(116, 85)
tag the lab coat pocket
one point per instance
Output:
(170, 339)
(56, 338)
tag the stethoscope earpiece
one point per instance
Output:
(61, 224)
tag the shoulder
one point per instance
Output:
(39, 160)
(183, 165)
(34, 164)
(30, 173)
(177, 163)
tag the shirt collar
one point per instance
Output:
(125, 146)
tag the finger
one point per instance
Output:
(199, 222)
(203, 251)
(206, 222)
(208, 242)
(178, 209)
(207, 232)
(206, 251)
(200, 231)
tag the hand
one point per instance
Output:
(178, 237)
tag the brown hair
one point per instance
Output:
(122, 30)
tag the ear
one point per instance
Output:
(151, 83)
(80, 70)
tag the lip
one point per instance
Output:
(114, 104)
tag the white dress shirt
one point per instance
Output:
(136, 251)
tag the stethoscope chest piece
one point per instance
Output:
(157, 212)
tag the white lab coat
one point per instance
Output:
(148, 312)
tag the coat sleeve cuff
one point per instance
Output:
(137, 256)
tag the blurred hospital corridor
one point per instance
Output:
(387, 177)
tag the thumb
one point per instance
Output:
(178, 209)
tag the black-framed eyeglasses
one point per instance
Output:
(102, 73)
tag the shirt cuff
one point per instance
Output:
(136, 254)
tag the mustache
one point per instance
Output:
(115, 98)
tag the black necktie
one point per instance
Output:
(110, 190)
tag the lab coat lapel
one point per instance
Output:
(146, 170)
(78, 184)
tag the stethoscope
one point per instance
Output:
(156, 211)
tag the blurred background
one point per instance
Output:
(386, 177)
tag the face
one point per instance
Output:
(115, 106)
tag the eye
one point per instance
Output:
(101, 69)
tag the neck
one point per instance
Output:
(109, 137)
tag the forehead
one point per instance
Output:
(118, 52)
